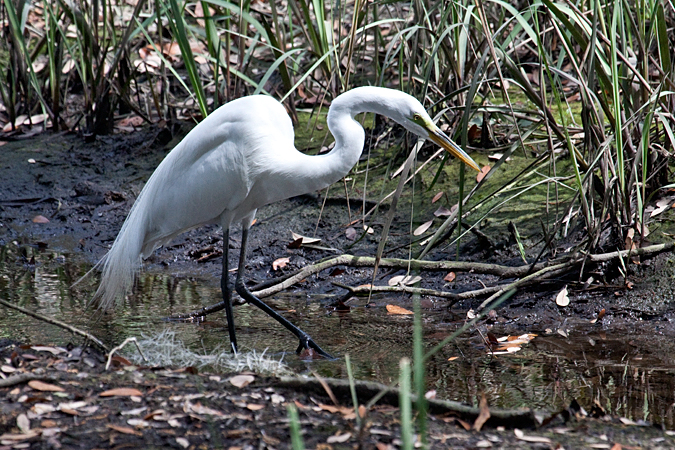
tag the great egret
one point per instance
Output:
(238, 159)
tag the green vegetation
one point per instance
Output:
(578, 94)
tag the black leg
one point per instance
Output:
(306, 342)
(227, 292)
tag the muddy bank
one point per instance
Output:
(63, 202)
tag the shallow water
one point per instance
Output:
(628, 376)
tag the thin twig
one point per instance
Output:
(120, 347)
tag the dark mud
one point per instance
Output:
(85, 190)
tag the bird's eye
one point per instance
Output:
(418, 119)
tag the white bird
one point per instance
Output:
(238, 159)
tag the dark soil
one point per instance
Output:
(80, 405)
(84, 191)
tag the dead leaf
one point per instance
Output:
(125, 430)
(404, 280)
(338, 438)
(121, 392)
(437, 197)
(562, 299)
(280, 263)
(661, 206)
(40, 219)
(304, 239)
(23, 423)
(484, 171)
(337, 409)
(52, 350)
(534, 439)
(351, 233)
(423, 228)
(393, 309)
(484, 414)
(255, 406)
(474, 133)
(453, 358)
(44, 387)
(362, 411)
(442, 212)
(198, 408)
(450, 277)
(19, 437)
(241, 381)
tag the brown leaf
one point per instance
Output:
(45, 387)
(484, 414)
(125, 430)
(474, 133)
(484, 171)
(121, 392)
(255, 407)
(198, 408)
(40, 219)
(442, 212)
(464, 424)
(336, 409)
(393, 309)
(450, 277)
(362, 411)
(295, 244)
(280, 263)
(437, 197)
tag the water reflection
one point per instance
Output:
(633, 379)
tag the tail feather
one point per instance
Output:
(123, 262)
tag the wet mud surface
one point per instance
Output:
(62, 202)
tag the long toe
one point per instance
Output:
(307, 343)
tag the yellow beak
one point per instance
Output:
(436, 135)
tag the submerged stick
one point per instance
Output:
(58, 323)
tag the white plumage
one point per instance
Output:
(238, 159)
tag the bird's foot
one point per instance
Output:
(308, 344)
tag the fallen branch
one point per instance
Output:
(526, 274)
(58, 323)
(20, 379)
(520, 418)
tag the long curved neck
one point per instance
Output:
(349, 135)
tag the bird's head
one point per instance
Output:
(419, 122)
